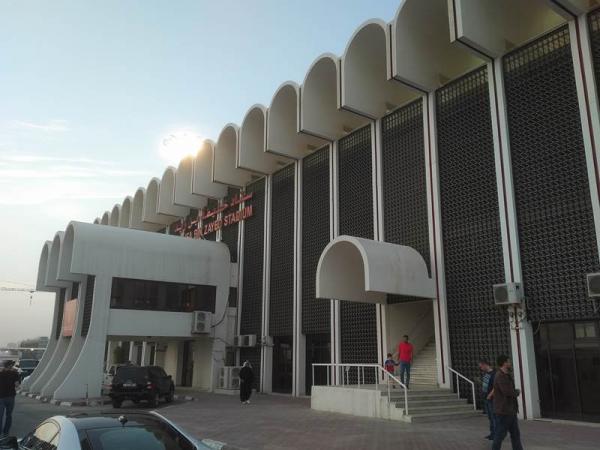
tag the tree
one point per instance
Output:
(119, 356)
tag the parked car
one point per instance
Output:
(26, 367)
(149, 383)
(108, 376)
(108, 431)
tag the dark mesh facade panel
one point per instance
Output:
(252, 292)
(229, 235)
(211, 205)
(316, 313)
(61, 308)
(281, 292)
(554, 213)
(358, 321)
(472, 244)
(405, 217)
(88, 304)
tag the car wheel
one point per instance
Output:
(153, 401)
(116, 403)
(170, 395)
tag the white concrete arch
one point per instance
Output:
(137, 213)
(363, 270)
(422, 54)
(52, 279)
(105, 218)
(253, 134)
(150, 212)
(97, 221)
(224, 164)
(183, 193)
(40, 284)
(283, 125)
(320, 113)
(202, 173)
(366, 86)
(495, 27)
(125, 214)
(166, 195)
(115, 215)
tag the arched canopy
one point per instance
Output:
(125, 215)
(52, 279)
(320, 113)
(366, 71)
(137, 213)
(493, 28)
(362, 270)
(283, 136)
(40, 284)
(166, 196)
(97, 220)
(151, 213)
(422, 54)
(105, 218)
(252, 155)
(224, 164)
(202, 173)
(126, 253)
(182, 194)
(115, 215)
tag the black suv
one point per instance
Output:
(141, 383)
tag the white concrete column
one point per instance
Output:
(336, 349)
(266, 378)
(145, 354)
(299, 347)
(109, 349)
(85, 377)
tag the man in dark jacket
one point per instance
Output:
(246, 380)
(506, 406)
(9, 379)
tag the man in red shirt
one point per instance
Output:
(405, 355)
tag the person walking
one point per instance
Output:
(9, 380)
(487, 389)
(405, 355)
(506, 406)
(246, 380)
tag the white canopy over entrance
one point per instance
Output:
(363, 270)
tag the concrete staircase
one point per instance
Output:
(427, 402)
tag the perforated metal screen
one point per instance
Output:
(405, 218)
(470, 220)
(61, 307)
(88, 304)
(281, 293)
(554, 213)
(316, 313)
(594, 27)
(358, 321)
(229, 234)
(252, 291)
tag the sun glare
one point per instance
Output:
(178, 145)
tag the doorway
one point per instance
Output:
(283, 369)
(187, 366)
(568, 365)
(318, 350)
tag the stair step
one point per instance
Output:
(438, 409)
(434, 417)
(436, 401)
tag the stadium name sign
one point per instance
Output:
(227, 214)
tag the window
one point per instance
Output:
(45, 437)
(148, 437)
(585, 330)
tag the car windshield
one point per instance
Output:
(135, 438)
(28, 363)
(131, 373)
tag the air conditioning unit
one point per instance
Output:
(201, 322)
(508, 294)
(229, 377)
(593, 285)
(244, 340)
(267, 341)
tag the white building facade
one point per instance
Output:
(445, 152)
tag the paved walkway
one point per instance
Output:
(281, 422)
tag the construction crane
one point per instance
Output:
(15, 289)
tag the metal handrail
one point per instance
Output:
(360, 369)
(457, 375)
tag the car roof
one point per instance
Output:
(110, 419)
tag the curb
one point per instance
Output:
(96, 402)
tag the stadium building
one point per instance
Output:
(446, 162)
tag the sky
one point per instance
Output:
(98, 97)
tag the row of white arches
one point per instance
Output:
(384, 65)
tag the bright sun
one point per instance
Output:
(177, 145)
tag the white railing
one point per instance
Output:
(458, 375)
(343, 375)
